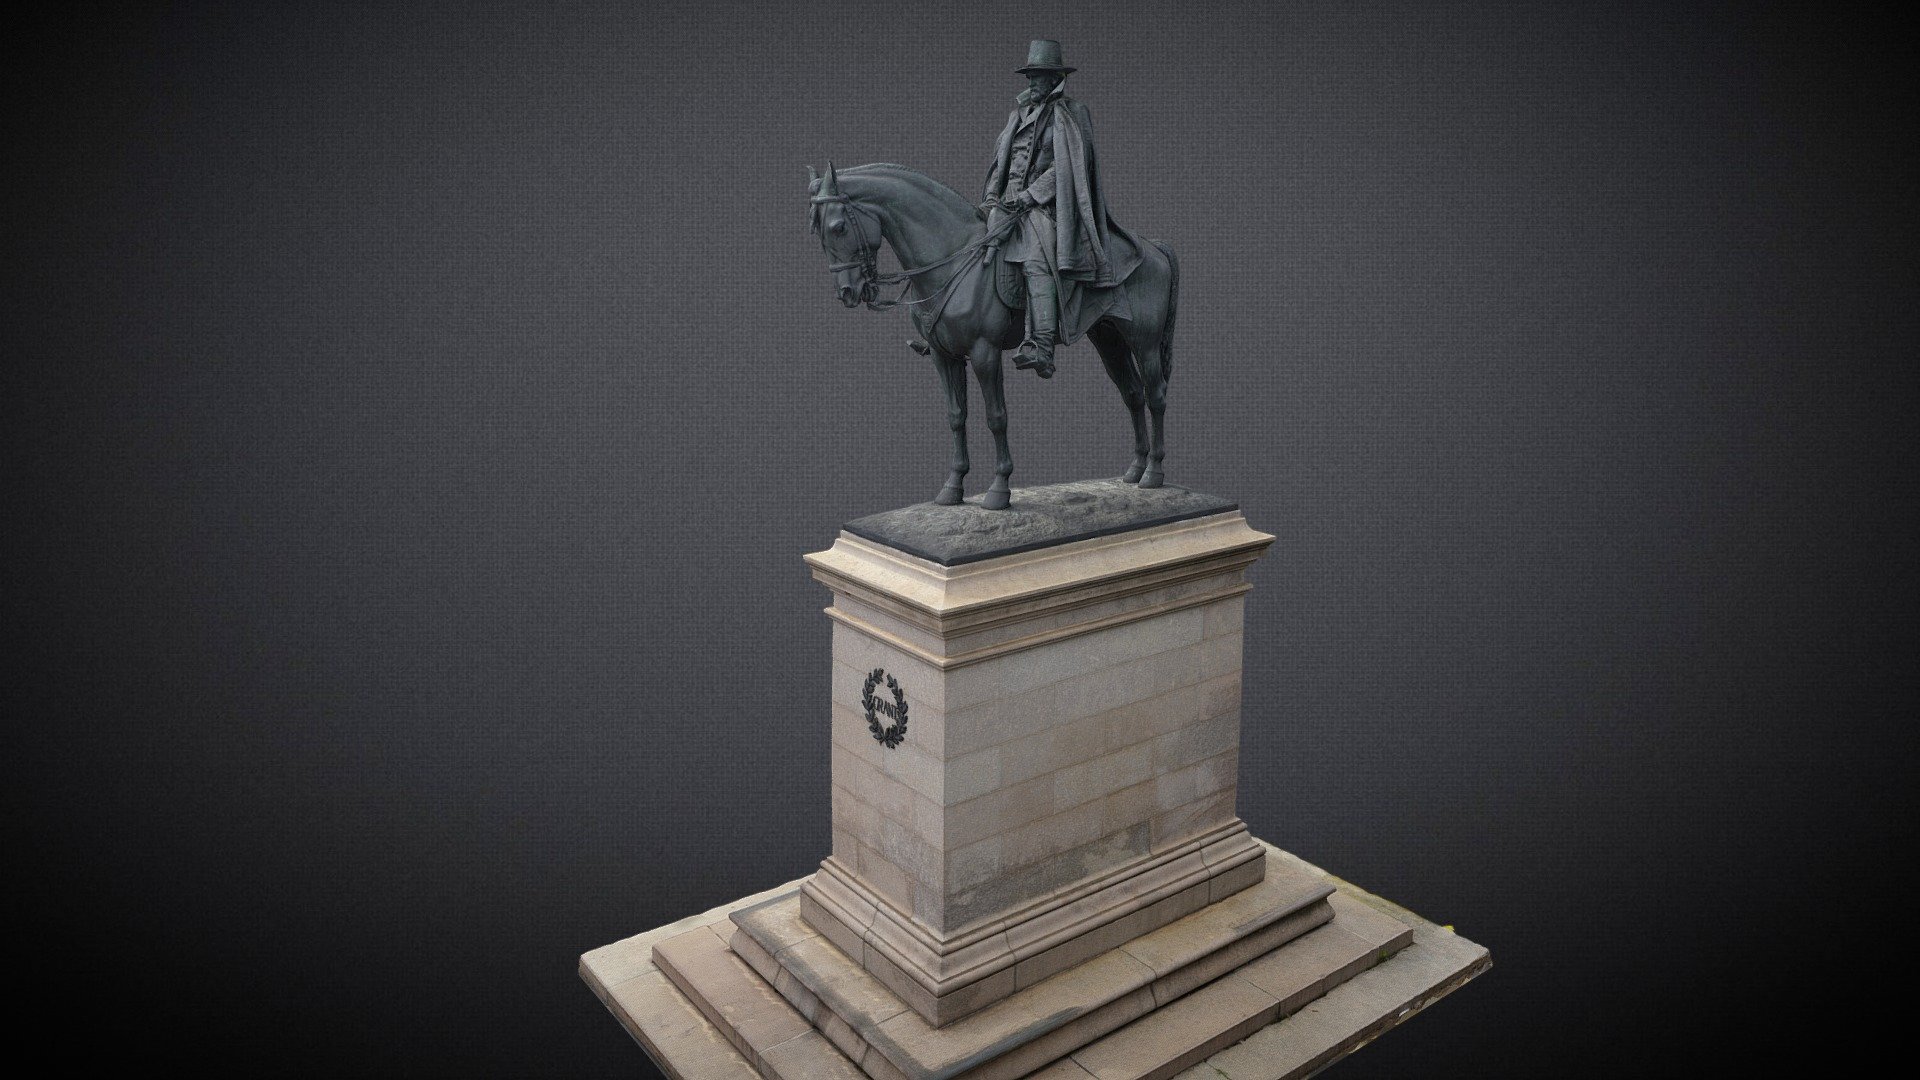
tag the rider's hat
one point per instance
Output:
(1044, 55)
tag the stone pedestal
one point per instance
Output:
(1069, 674)
(1037, 867)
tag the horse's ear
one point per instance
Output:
(813, 178)
(831, 186)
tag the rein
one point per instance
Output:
(868, 254)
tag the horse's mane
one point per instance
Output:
(901, 172)
(895, 172)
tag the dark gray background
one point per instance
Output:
(415, 416)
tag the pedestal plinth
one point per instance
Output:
(1037, 867)
(1035, 730)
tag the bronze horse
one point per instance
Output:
(939, 237)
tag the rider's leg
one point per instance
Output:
(1043, 306)
(1035, 253)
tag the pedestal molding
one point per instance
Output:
(1047, 637)
(964, 936)
(950, 600)
(1048, 935)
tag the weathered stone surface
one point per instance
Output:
(1038, 968)
(1169, 1039)
(1327, 1026)
(1184, 979)
(728, 992)
(1013, 787)
(1121, 973)
(808, 1057)
(1333, 956)
(945, 980)
(671, 1029)
(864, 1003)
(1064, 1069)
(1039, 517)
(1323, 1019)
(1071, 669)
(610, 965)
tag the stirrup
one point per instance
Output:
(1030, 355)
(920, 347)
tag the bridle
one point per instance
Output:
(867, 254)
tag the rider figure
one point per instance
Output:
(1043, 173)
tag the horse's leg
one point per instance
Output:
(1118, 358)
(1154, 377)
(986, 369)
(953, 376)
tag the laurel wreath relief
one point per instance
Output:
(890, 735)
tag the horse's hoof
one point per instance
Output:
(949, 496)
(995, 500)
(1151, 478)
(1132, 476)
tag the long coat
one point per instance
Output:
(1083, 241)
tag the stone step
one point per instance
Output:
(1354, 1013)
(1179, 1035)
(1042, 1023)
(1157, 1046)
(760, 1024)
(1342, 1010)
(1343, 1015)
(671, 1029)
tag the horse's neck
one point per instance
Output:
(926, 234)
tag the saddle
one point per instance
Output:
(1080, 307)
(1010, 282)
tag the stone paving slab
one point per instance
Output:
(1318, 1025)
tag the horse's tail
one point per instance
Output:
(1173, 308)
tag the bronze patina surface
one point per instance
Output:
(1044, 214)
(1039, 517)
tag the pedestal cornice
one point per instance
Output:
(935, 612)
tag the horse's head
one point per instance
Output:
(849, 234)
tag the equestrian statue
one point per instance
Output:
(1036, 264)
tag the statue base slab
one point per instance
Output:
(705, 996)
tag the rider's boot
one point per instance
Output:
(1043, 308)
